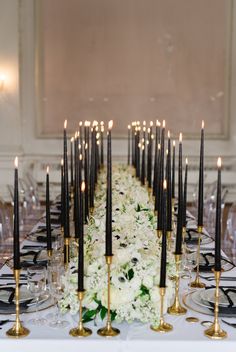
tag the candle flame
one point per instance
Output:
(164, 184)
(102, 128)
(139, 145)
(16, 162)
(158, 123)
(76, 135)
(144, 129)
(147, 142)
(142, 147)
(82, 186)
(72, 139)
(97, 135)
(86, 146)
(163, 123)
(152, 136)
(79, 146)
(159, 146)
(167, 152)
(65, 124)
(203, 124)
(144, 123)
(48, 169)
(80, 123)
(102, 123)
(62, 162)
(186, 161)
(168, 134)
(180, 137)
(174, 144)
(151, 123)
(110, 124)
(219, 162)
(149, 130)
(80, 157)
(129, 127)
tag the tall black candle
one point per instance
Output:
(163, 245)
(129, 127)
(149, 174)
(76, 192)
(109, 193)
(16, 231)
(169, 193)
(179, 234)
(86, 194)
(157, 141)
(92, 171)
(218, 220)
(71, 162)
(185, 194)
(173, 172)
(62, 196)
(157, 185)
(81, 243)
(162, 157)
(48, 215)
(102, 143)
(66, 187)
(143, 169)
(201, 180)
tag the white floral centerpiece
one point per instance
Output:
(136, 263)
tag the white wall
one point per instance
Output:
(18, 106)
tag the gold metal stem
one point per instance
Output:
(163, 326)
(197, 283)
(176, 308)
(108, 330)
(80, 331)
(173, 215)
(49, 253)
(18, 330)
(168, 234)
(215, 331)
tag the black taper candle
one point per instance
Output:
(157, 141)
(102, 143)
(48, 215)
(173, 172)
(157, 184)
(143, 168)
(169, 193)
(128, 161)
(92, 170)
(149, 176)
(81, 241)
(62, 196)
(76, 192)
(201, 180)
(163, 245)
(162, 157)
(179, 234)
(16, 230)
(109, 193)
(71, 162)
(66, 187)
(86, 194)
(185, 194)
(218, 220)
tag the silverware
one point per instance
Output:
(233, 325)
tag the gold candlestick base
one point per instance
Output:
(18, 330)
(80, 331)
(108, 330)
(163, 327)
(197, 283)
(177, 308)
(215, 332)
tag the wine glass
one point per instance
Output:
(56, 287)
(36, 284)
(189, 263)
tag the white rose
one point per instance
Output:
(148, 281)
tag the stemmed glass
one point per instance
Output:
(189, 263)
(56, 287)
(36, 284)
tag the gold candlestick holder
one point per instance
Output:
(80, 331)
(173, 215)
(176, 308)
(49, 254)
(108, 330)
(159, 233)
(66, 251)
(197, 283)
(168, 234)
(18, 330)
(215, 332)
(163, 326)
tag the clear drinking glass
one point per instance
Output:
(56, 287)
(189, 263)
(36, 278)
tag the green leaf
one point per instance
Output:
(113, 315)
(144, 290)
(130, 274)
(89, 315)
(103, 312)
